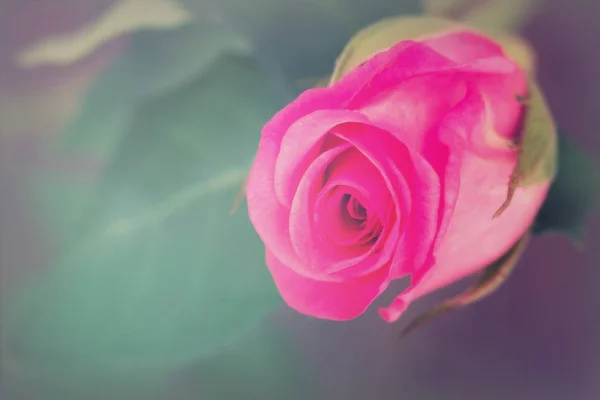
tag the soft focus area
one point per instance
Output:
(127, 271)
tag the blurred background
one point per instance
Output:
(126, 129)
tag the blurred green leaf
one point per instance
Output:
(62, 201)
(574, 194)
(156, 272)
(303, 36)
(496, 15)
(122, 17)
(156, 61)
(266, 365)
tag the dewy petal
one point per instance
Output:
(339, 301)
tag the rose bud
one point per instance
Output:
(427, 156)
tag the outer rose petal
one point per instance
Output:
(472, 239)
(464, 46)
(317, 258)
(302, 144)
(500, 90)
(414, 108)
(416, 105)
(463, 252)
(414, 61)
(339, 301)
(446, 150)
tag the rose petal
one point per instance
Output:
(269, 217)
(410, 170)
(300, 145)
(299, 133)
(353, 169)
(474, 186)
(414, 102)
(502, 93)
(446, 150)
(329, 221)
(500, 90)
(463, 254)
(414, 108)
(415, 60)
(318, 258)
(464, 46)
(321, 259)
(339, 301)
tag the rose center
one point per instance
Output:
(346, 217)
(356, 217)
(352, 210)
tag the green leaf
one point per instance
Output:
(574, 194)
(155, 61)
(508, 15)
(61, 200)
(122, 17)
(492, 277)
(303, 36)
(538, 147)
(157, 273)
(266, 365)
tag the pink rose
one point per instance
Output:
(396, 169)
